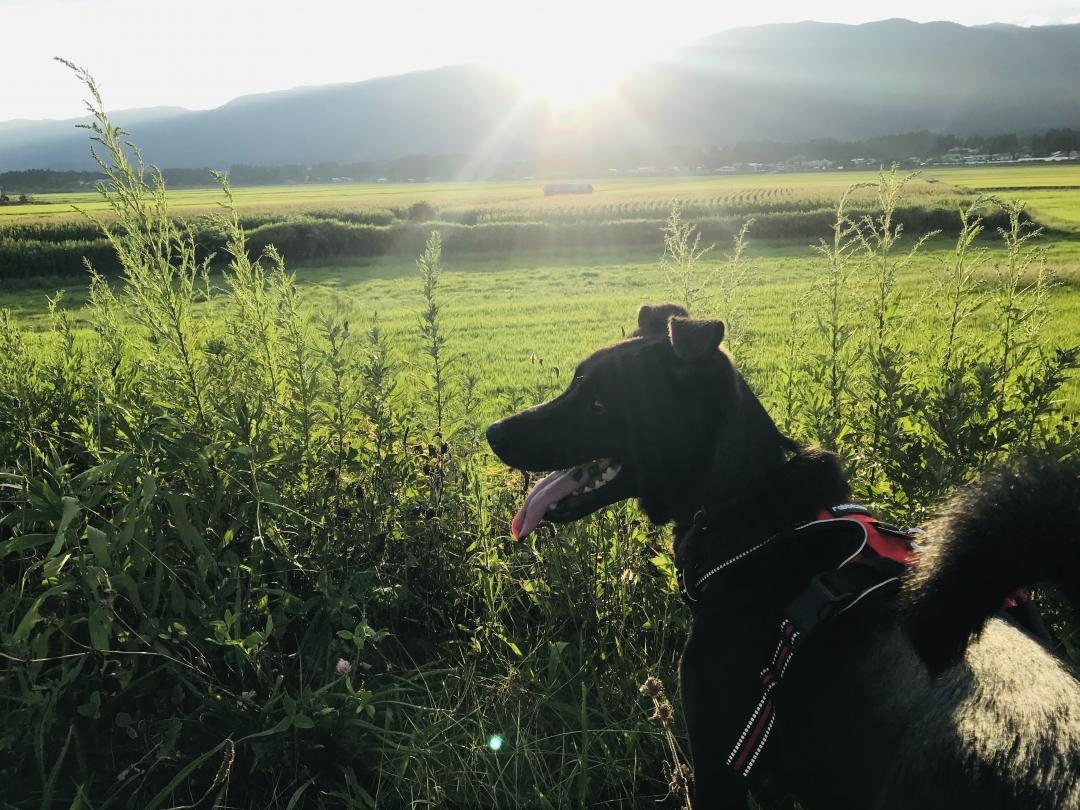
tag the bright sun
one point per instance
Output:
(568, 78)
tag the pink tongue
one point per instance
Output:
(548, 490)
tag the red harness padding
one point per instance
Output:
(899, 545)
(894, 545)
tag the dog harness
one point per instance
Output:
(880, 542)
(869, 567)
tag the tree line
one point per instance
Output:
(885, 149)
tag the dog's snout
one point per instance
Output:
(496, 434)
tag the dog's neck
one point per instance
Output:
(760, 481)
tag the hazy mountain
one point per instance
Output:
(20, 132)
(781, 82)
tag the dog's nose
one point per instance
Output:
(496, 433)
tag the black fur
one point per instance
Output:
(1020, 525)
(889, 707)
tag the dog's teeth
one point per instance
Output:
(610, 473)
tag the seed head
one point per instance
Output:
(663, 714)
(653, 687)
(680, 781)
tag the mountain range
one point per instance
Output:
(786, 83)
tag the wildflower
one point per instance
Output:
(343, 667)
(663, 714)
(652, 687)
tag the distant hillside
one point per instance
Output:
(789, 83)
(18, 134)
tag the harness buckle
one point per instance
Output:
(820, 600)
(832, 592)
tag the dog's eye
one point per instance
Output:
(598, 406)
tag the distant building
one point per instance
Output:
(567, 188)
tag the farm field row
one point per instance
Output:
(1054, 191)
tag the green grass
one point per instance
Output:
(503, 314)
(1051, 191)
(1022, 176)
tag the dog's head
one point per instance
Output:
(641, 419)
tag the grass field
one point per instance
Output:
(505, 313)
(1054, 191)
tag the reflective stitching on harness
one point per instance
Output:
(760, 746)
(717, 569)
(735, 559)
(755, 737)
(779, 644)
(750, 724)
(787, 661)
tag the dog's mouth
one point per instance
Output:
(566, 495)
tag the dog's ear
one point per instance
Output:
(694, 340)
(652, 321)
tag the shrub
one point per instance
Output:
(420, 211)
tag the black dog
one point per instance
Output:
(887, 705)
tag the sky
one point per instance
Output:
(201, 53)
